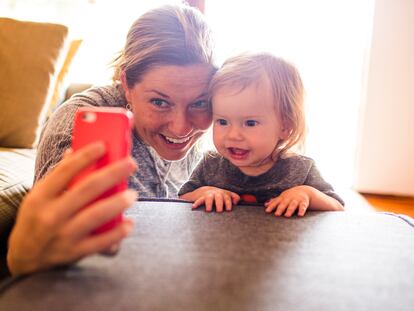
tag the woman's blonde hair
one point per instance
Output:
(168, 35)
(286, 85)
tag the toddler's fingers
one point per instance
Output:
(235, 198)
(209, 203)
(218, 198)
(293, 205)
(198, 202)
(281, 207)
(302, 209)
(271, 205)
(228, 202)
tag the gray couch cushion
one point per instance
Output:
(179, 259)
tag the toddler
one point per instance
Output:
(258, 118)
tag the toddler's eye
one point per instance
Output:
(251, 123)
(159, 102)
(221, 122)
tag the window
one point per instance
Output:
(328, 41)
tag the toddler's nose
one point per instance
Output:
(234, 133)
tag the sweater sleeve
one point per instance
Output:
(315, 180)
(54, 140)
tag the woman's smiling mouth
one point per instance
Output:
(176, 141)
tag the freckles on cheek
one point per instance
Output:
(147, 120)
(202, 122)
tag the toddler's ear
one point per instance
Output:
(286, 130)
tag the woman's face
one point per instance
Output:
(170, 107)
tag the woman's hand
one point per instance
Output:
(300, 199)
(210, 196)
(52, 228)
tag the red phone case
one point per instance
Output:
(113, 127)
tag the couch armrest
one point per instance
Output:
(76, 88)
(16, 179)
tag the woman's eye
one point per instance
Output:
(251, 123)
(221, 122)
(159, 103)
(201, 104)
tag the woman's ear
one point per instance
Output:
(125, 87)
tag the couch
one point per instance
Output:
(34, 59)
(182, 259)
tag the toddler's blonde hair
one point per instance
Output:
(286, 85)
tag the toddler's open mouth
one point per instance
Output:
(237, 153)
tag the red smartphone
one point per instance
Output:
(113, 127)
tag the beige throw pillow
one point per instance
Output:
(31, 56)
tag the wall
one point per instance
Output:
(385, 157)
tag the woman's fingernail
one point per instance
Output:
(114, 248)
(128, 226)
(131, 195)
(132, 164)
(100, 146)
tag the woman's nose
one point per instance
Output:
(180, 125)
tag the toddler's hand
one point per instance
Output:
(296, 198)
(210, 196)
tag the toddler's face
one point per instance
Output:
(246, 127)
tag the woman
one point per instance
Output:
(162, 76)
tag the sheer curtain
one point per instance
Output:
(328, 41)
